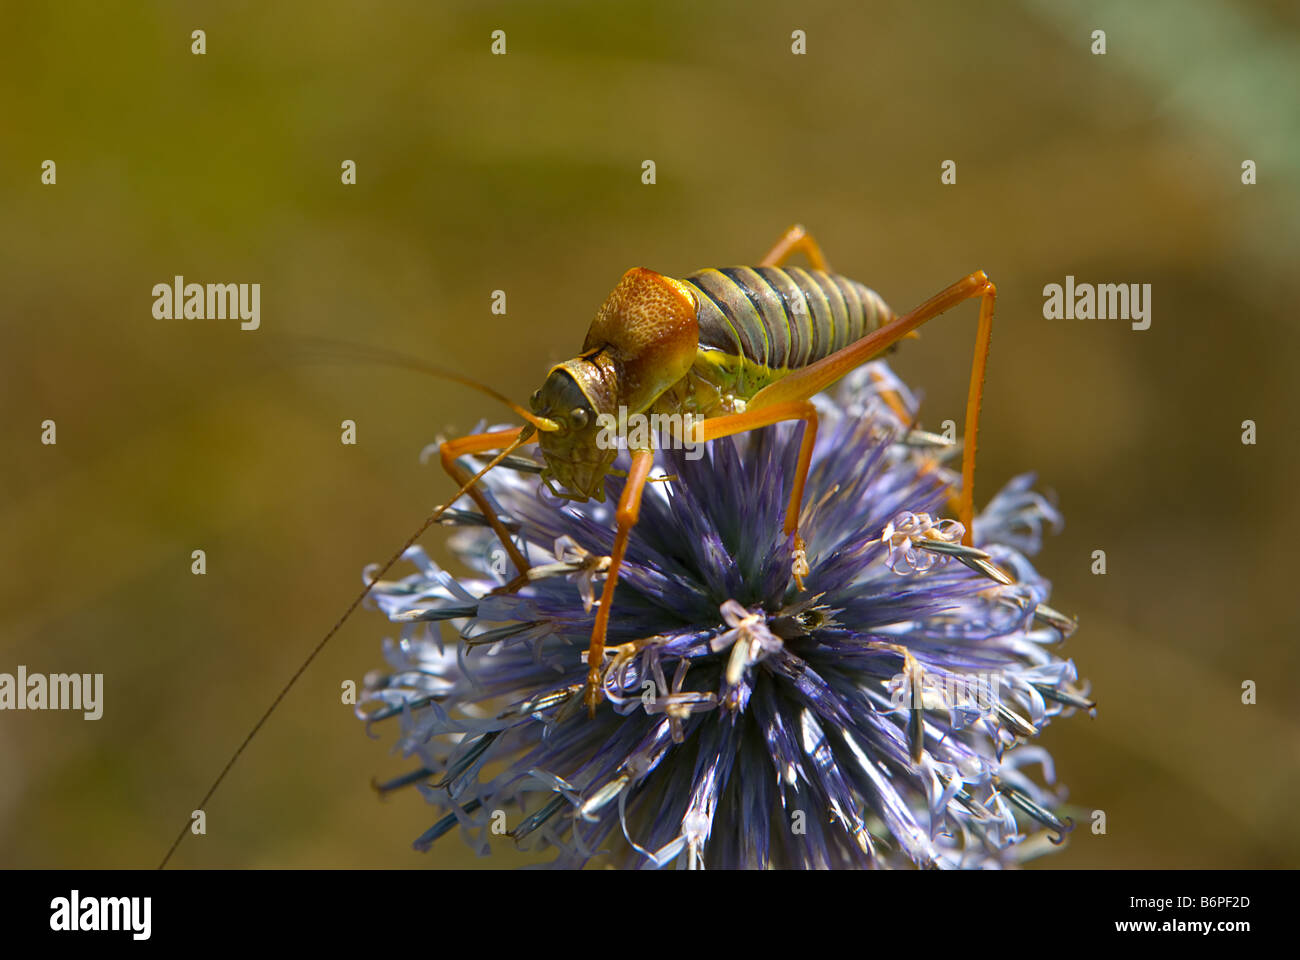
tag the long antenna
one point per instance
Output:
(323, 348)
(524, 435)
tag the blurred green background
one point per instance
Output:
(523, 172)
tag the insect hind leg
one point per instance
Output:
(812, 379)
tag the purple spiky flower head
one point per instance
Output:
(877, 718)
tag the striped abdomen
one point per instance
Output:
(759, 323)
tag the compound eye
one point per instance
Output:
(579, 417)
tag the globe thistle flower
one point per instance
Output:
(746, 723)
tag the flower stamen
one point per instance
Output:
(909, 531)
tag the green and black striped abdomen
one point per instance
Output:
(783, 318)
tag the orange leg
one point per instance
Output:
(802, 384)
(726, 426)
(629, 510)
(795, 239)
(480, 443)
(733, 423)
